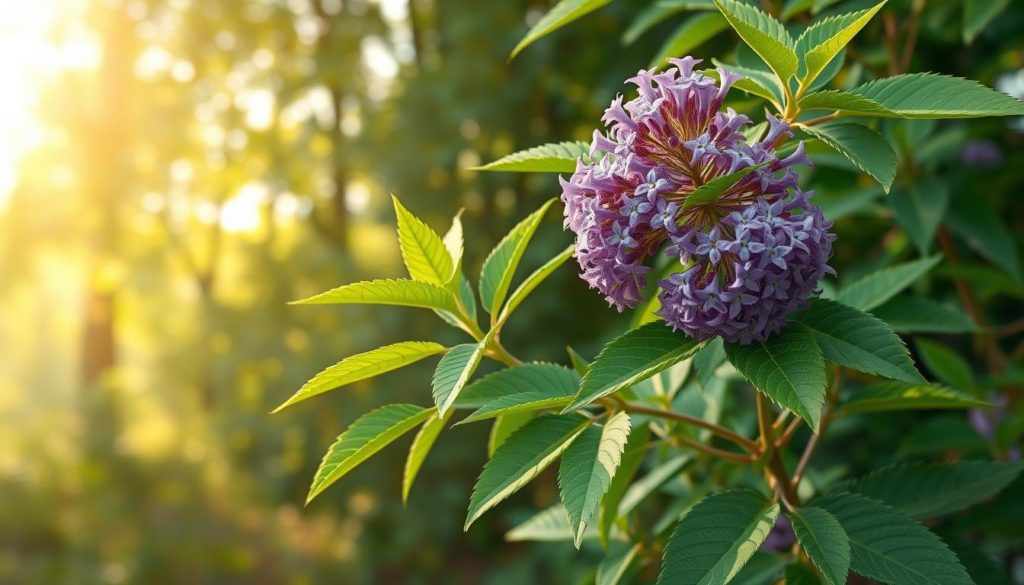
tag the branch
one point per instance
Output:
(722, 432)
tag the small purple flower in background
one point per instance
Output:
(986, 421)
(781, 537)
(981, 153)
(748, 259)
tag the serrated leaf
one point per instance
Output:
(946, 364)
(717, 537)
(401, 292)
(862, 146)
(579, 363)
(548, 525)
(587, 468)
(420, 448)
(889, 396)
(887, 545)
(522, 457)
(878, 287)
(712, 190)
(523, 388)
(825, 39)
(708, 360)
(453, 372)
(555, 157)
(788, 368)
(765, 35)
(425, 255)
(985, 231)
(921, 95)
(977, 15)
(533, 281)
(920, 210)
(500, 265)
(613, 568)
(364, 365)
(857, 340)
(503, 428)
(368, 434)
(560, 15)
(635, 355)
(453, 242)
(762, 84)
(846, 103)
(926, 490)
(824, 541)
(692, 33)
(632, 460)
(920, 315)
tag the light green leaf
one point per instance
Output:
(691, 34)
(424, 253)
(562, 14)
(889, 546)
(632, 459)
(765, 35)
(862, 146)
(635, 355)
(453, 372)
(401, 292)
(717, 537)
(548, 525)
(878, 287)
(946, 364)
(500, 265)
(857, 340)
(920, 315)
(824, 540)
(926, 490)
(556, 157)
(523, 388)
(643, 488)
(453, 242)
(920, 95)
(503, 428)
(652, 15)
(977, 15)
(888, 396)
(365, 365)
(920, 209)
(985, 231)
(712, 190)
(845, 103)
(579, 363)
(788, 368)
(521, 458)
(533, 281)
(587, 468)
(762, 84)
(708, 360)
(421, 445)
(613, 568)
(368, 434)
(825, 39)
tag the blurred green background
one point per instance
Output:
(172, 173)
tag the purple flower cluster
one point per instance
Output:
(750, 256)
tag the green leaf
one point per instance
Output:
(824, 540)
(652, 15)
(708, 360)
(365, 365)
(920, 209)
(984, 231)
(825, 39)
(800, 574)
(691, 34)
(926, 490)
(635, 355)
(889, 546)
(533, 281)
(453, 242)
(500, 265)
(857, 340)
(421, 445)
(424, 253)
(523, 388)
(878, 287)
(368, 434)
(762, 84)
(862, 146)
(712, 190)
(521, 458)
(579, 363)
(562, 14)
(632, 459)
(503, 428)
(717, 537)
(643, 488)
(613, 568)
(788, 368)
(401, 292)
(556, 157)
(762, 569)
(765, 35)
(845, 103)
(977, 15)
(453, 372)
(946, 364)
(548, 525)
(888, 396)
(922, 95)
(920, 315)
(587, 468)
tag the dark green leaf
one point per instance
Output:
(920, 315)
(824, 541)
(878, 287)
(863, 146)
(562, 14)
(946, 365)
(887, 396)
(920, 210)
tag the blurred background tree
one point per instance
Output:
(172, 173)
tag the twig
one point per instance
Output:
(722, 432)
